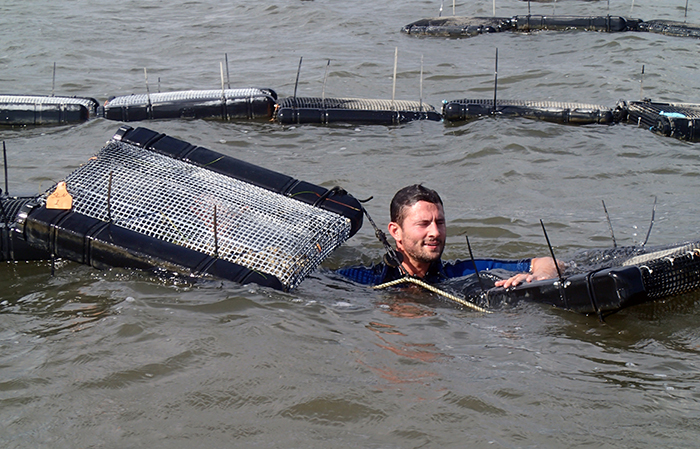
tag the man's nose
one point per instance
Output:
(433, 229)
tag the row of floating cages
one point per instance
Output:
(678, 120)
(226, 105)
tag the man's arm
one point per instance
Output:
(540, 268)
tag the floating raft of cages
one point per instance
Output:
(225, 104)
(640, 278)
(26, 110)
(147, 200)
(457, 26)
(296, 110)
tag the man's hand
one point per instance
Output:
(540, 268)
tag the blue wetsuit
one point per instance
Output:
(438, 271)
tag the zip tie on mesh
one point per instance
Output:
(435, 290)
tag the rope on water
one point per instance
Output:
(435, 290)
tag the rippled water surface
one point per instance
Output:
(121, 358)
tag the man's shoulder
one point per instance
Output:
(367, 275)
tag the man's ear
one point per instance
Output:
(395, 231)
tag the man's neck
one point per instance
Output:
(414, 268)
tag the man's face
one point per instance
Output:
(421, 236)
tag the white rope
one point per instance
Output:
(435, 290)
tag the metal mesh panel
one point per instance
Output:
(162, 97)
(355, 104)
(672, 275)
(174, 201)
(535, 104)
(669, 271)
(666, 252)
(43, 100)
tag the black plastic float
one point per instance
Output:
(12, 247)
(27, 110)
(225, 104)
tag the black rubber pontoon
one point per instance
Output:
(297, 110)
(226, 104)
(27, 110)
(551, 111)
(148, 200)
(639, 279)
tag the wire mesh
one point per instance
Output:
(554, 105)
(89, 103)
(177, 202)
(355, 104)
(38, 100)
(672, 275)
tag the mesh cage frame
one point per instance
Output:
(173, 201)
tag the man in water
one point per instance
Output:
(418, 227)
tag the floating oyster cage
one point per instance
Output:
(644, 277)
(678, 120)
(460, 26)
(25, 110)
(223, 104)
(297, 110)
(149, 200)
(551, 111)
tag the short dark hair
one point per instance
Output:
(407, 197)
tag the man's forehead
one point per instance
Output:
(423, 209)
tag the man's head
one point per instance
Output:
(418, 226)
(407, 197)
